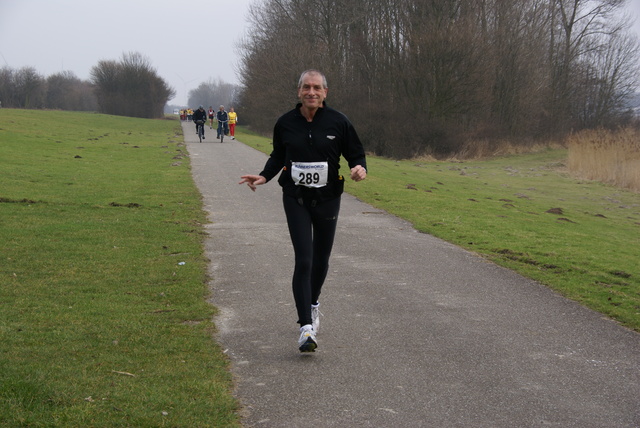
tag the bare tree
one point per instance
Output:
(606, 80)
(130, 87)
(30, 88)
(7, 93)
(65, 91)
(24, 88)
(577, 28)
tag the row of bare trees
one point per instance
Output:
(214, 93)
(26, 88)
(427, 76)
(129, 87)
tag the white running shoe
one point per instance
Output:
(307, 341)
(315, 317)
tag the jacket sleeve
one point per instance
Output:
(276, 160)
(353, 151)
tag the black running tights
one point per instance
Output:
(312, 228)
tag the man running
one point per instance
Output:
(307, 144)
(211, 113)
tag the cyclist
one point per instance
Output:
(223, 118)
(200, 115)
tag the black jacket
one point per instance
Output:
(222, 116)
(328, 136)
(199, 115)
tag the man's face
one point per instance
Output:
(311, 93)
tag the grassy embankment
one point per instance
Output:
(524, 212)
(104, 319)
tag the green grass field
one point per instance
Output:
(104, 319)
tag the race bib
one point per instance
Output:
(310, 174)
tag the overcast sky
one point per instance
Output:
(186, 42)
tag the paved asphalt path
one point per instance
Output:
(416, 332)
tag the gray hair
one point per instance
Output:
(313, 71)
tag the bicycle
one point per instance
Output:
(200, 126)
(221, 129)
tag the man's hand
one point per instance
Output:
(358, 173)
(253, 181)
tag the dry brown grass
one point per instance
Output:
(478, 149)
(612, 157)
